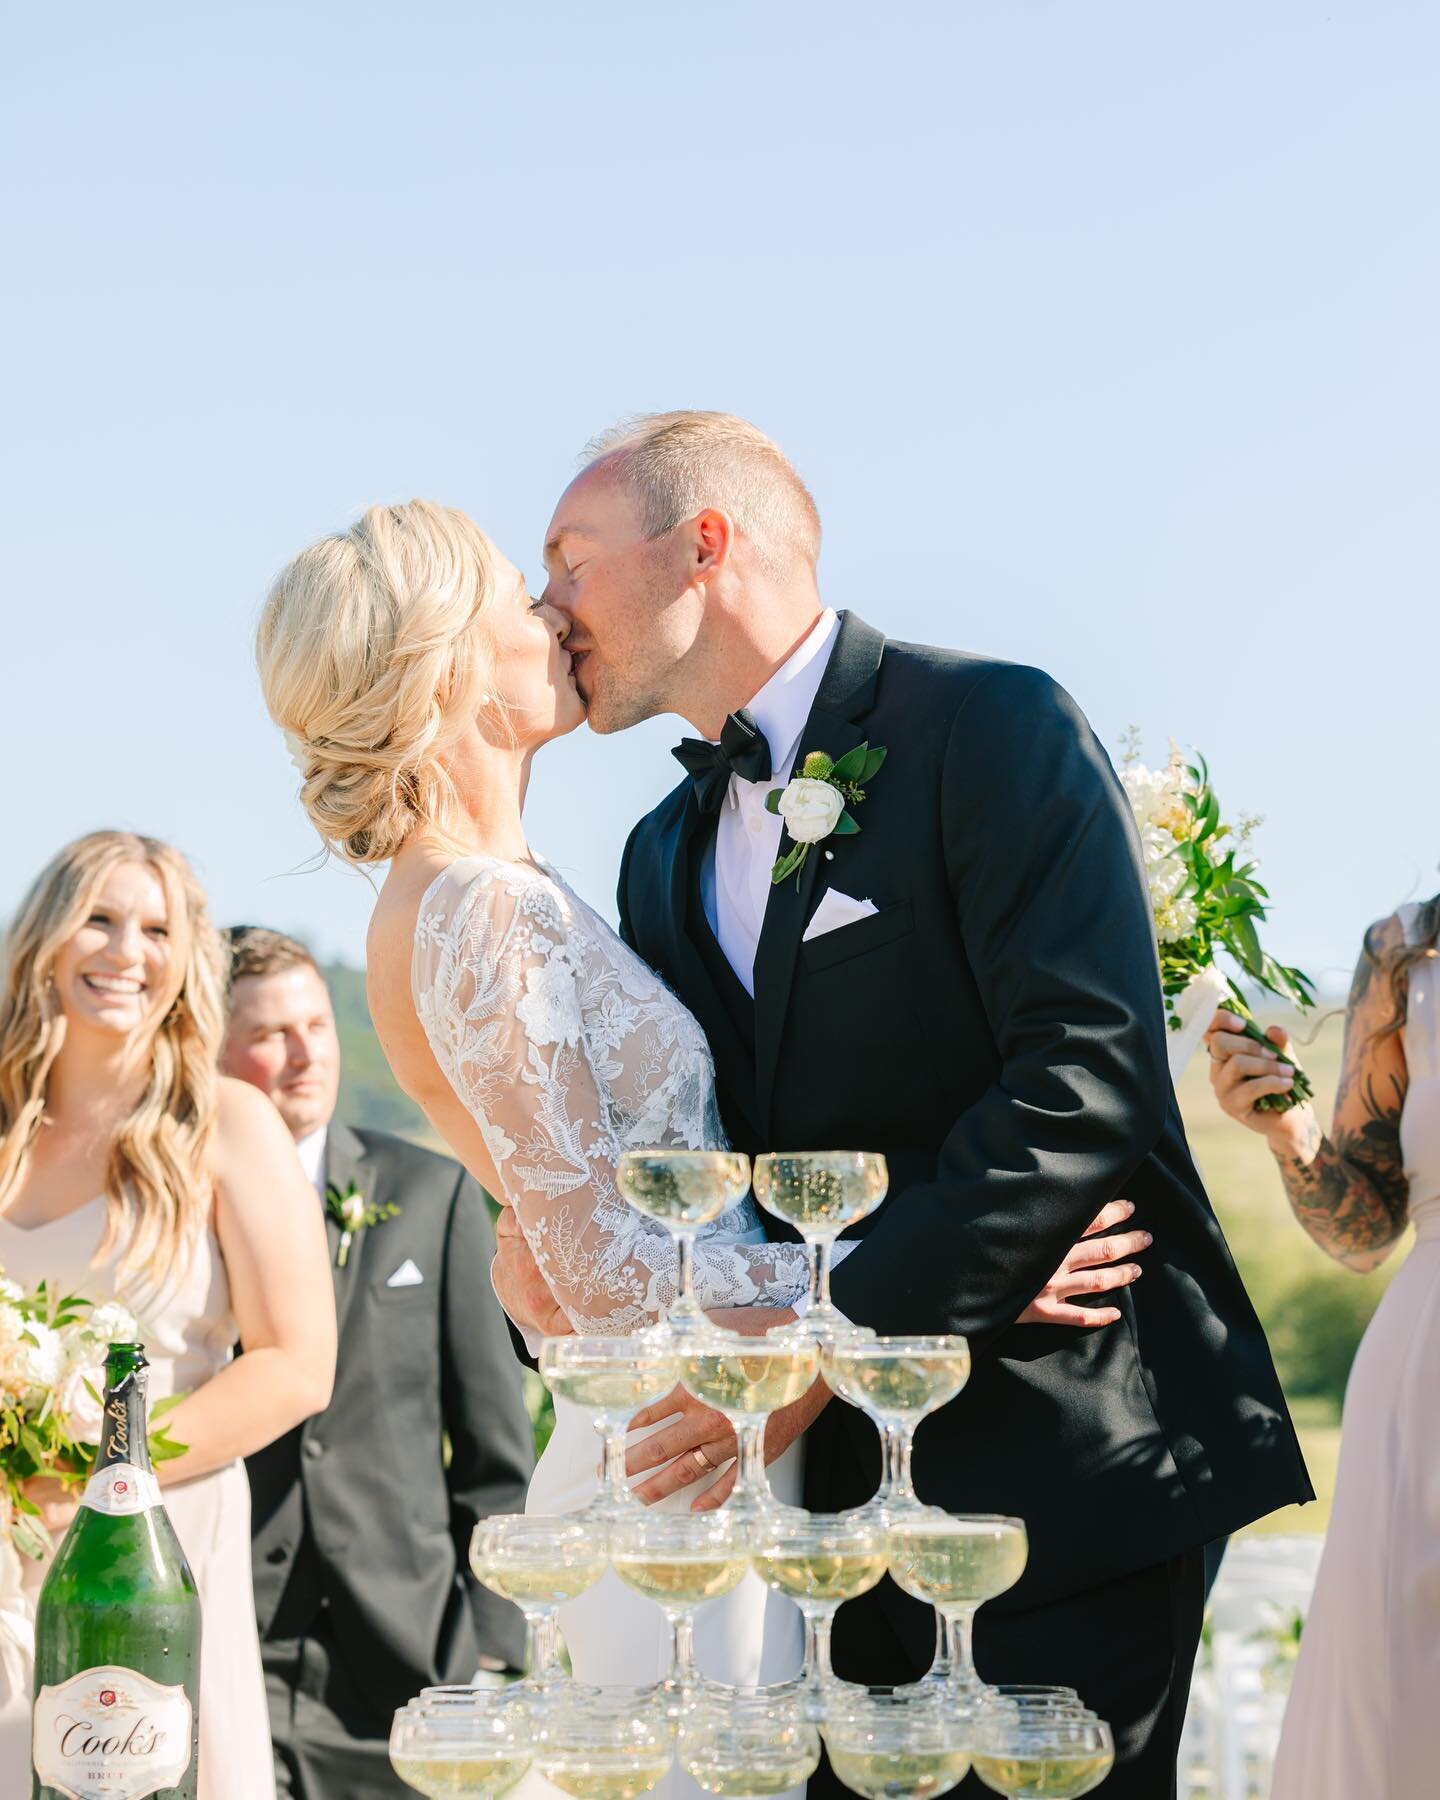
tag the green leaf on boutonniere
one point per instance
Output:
(788, 864)
(846, 827)
(873, 760)
(851, 766)
(772, 800)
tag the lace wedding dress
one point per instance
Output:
(568, 1050)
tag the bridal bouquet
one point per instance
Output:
(1206, 902)
(52, 1355)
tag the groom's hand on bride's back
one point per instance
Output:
(1096, 1265)
(521, 1288)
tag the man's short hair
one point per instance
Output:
(676, 464)
(256, 950)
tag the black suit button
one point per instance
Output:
(314, 1448)
(277, 1555)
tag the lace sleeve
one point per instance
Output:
(563, 1064)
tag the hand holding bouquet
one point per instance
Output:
(1206, 899)
(52, 1352)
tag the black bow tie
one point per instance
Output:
(742, 750)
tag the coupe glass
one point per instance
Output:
(611, 1378)
(477, 1749)
(539, 1563)
(820, 1192)
(748, 1747)
(604, 1743)
(684, 1189)
(897, 1746)
(896, 1381)
(1028, 1698)
(748, 1378)
(956, 1561)
(819, 1562)
(1037, 1757)
(681, 1560)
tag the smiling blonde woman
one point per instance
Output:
(131, 1171)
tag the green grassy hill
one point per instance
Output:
(1313, 1310)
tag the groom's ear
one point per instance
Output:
(711, 542)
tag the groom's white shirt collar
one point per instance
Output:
(783, 705)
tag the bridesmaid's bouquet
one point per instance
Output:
(1206, 903)
(52, 1355)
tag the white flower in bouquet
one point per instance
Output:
(31, 1363)
(1204, 900)
(10, 1290)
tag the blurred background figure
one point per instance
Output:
(131, 1172)
(362, 1525)
(1362, 1717)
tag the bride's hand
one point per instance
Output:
(1095, 1265)
(698, 1440)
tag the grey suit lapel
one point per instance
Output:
(346, 1160)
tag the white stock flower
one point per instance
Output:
(33, 1362)
(811, 809)
(10, 1290)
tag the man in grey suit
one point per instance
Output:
(361, 1526)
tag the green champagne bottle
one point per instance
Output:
(117, 1633)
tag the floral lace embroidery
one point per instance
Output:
(568, 1050)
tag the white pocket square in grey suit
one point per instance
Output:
(837, 909)
(407, 1275)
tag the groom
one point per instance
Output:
(967, 983)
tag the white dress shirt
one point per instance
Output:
(735, 875)
(311, 1151)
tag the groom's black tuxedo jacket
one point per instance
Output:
(996, 1029)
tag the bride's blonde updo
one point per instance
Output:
(373, 663)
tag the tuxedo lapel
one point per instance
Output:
(734, 1058)
(846, 694)
(345, 1161)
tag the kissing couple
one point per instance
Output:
(984, 1009)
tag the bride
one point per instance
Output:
(415, 679)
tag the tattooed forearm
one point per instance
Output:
(1350, 1191)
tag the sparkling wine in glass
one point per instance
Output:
(820, 1192)
(477, 1750)
(748, 1746)
(610, 1378)
(897, 1746)
(684, 1189)
(748, 1378)
(956, 1562)
(539, 1563)
(820, 1561)
(681, 1560)
(896, 1381)
(605, 1743)
(1030, 1757)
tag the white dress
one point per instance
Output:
(567, 1049)
(1363, 1721)
(188, 1332)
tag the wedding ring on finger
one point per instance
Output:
(703, 1462)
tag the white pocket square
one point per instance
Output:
(837, 909)
(407, 1275)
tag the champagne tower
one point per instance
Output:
(117, 1635)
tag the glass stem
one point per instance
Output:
(900, 1443)
(617, 1483)
(685, 1242)
(943, 1666)
(683, 1672)
(751, 1481)
(818, 1670)
(820, 1274)
(962, 1635)
(544, 1649)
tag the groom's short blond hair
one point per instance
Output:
(676, 464)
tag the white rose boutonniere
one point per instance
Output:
(815, 803)
(354, 1214)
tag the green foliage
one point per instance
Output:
(1316, 1324)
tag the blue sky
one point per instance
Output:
(1103, 333)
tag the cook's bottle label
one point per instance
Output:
(120, 1488)
(111, 1734)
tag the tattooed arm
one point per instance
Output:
(1349, 1189)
